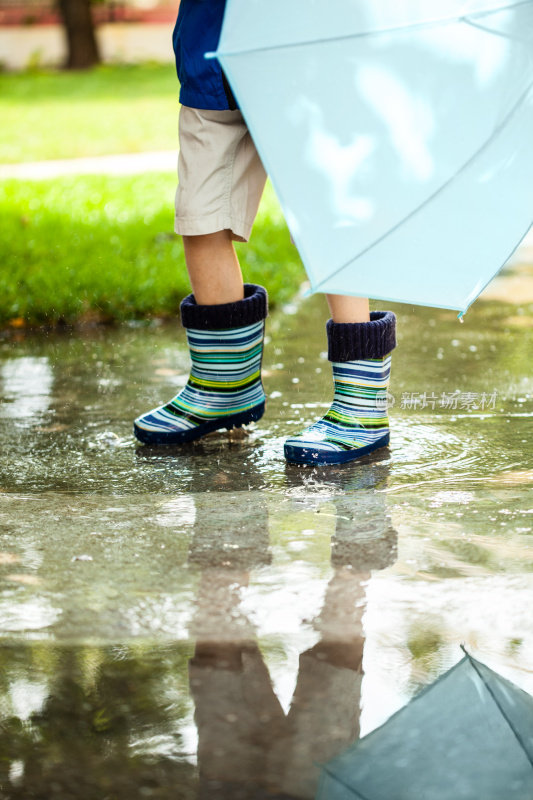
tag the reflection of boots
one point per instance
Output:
(224, 389)
(357, 421)
(230, 532)
(364, 538)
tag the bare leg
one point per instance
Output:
(214, 269)
(348, 309)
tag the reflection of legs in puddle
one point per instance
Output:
(237, 712)
(324, 714)
(247, 746)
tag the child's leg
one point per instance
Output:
(348, 309)
(220, 186)
(213, 267)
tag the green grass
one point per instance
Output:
(112, 109)
(100, 246)
(97, 245)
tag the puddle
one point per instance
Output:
(209, 622)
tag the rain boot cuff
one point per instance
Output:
(253, 308)
(353, 341)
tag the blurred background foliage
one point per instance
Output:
(128, 706)
(88, 248)
(101, 248)
(110, 109)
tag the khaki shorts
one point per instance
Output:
(221, 177)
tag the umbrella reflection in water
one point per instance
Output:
(469, 735)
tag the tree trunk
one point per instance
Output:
(79, 29)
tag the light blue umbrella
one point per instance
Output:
(398, 136)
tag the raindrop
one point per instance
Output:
(108, 438)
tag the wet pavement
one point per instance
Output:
(209, 622)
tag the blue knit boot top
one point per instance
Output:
(224, 389)
(357, 420)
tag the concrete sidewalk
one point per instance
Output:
(118, 164)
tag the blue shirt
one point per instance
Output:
(197, 31)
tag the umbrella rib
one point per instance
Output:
(489, 11)
(438, 191)
(343, 783)
(468, 301)
(366, 34)
(502, 35)
(502, 712)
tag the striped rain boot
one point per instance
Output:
(224, 389)
(357, 420)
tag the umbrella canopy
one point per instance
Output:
(398, 136)
(467, 736)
